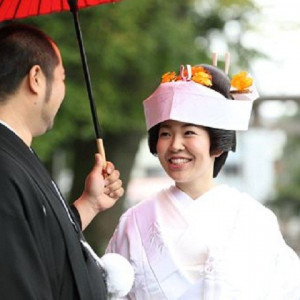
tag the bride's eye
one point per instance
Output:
(190, 132)
(163, 134)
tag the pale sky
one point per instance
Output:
(277, 34)
(278, 37)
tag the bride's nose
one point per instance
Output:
(177, 144)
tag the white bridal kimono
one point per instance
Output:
(222, 246)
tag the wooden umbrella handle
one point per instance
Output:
(101, 150)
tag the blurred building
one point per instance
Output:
(252, 169)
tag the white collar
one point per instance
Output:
(183, 201)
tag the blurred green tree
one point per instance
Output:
(129, 45)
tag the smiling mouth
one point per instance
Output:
(178, 161)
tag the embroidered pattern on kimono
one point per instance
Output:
(242, 253)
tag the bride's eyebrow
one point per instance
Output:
(189, 125)
(164, 126)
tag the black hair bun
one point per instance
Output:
(220, 80)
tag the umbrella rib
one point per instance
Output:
(39, 6)
(16, 9)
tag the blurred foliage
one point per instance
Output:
(129, 45)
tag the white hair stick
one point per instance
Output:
(227, 62)
(214, 59)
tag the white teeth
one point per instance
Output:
(178, 161)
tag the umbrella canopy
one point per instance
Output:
(15, 9)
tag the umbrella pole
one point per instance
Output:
(97, 127)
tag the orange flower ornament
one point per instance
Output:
(241, 82)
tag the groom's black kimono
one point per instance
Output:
(40, 252)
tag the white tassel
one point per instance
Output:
(119, 275)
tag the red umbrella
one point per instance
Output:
(14, 9)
